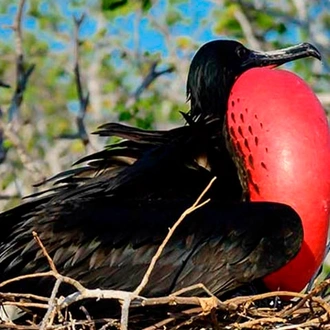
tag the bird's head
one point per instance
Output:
(217, 64)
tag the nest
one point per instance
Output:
(180, 310)
(176, 311)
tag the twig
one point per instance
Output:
(50, 314)
(163, 323)
(25, 304)
(22, 295)
(152, 75)
(4, 85)
(308, 296)
(126, 303)
(45, 253)
(316, 322)
(250, 324)
(8, 197)
(193, 287)
(244, 299)
(27, 276)
(160, 249)
(88, 317)
(93, 294)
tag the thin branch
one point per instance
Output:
(317, 289)
(9, 197)
(162, 324)
(52, 305)
(11, 133)
(27, 276)
(22, 295)
(22, 74)
(247, 29)
(145, 279)
(17, 27)
(45, 253)
(83, 99)
(151, 76)
(261, 321)
(155, 258)
(4, 85)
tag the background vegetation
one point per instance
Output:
(73, 65)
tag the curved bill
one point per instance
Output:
(281, 56)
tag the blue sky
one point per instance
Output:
(197, 25)
(152, 39)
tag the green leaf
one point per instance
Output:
(281, 28)
(113, 4)
(173, 16)
(264, 20)
(146, 5)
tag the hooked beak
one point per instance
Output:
(281, 56)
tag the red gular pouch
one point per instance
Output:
(278, 130)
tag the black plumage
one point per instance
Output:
(103, 221)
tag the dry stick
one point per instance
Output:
(162, 324)
(22, 295)
(316, 322)
(169, 300)
(243, 300)
(45, 253)
(145, 279)
(193, 287)
(160, 249)
(323, 304)
(50, 314)
(219, 304)
(23, 277)
(262, 321)
(189, 321)
(306, 297)
(88, 317)
(279, 317)
(154, 259)
(8, 325)
(54, 271)
(24, 304)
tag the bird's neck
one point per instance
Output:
(208, 104)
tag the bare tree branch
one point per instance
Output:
(22, 73)
(152, 75)
(83, 99)
(29, 163)
(247, 29)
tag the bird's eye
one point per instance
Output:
(242, 52)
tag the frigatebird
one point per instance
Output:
(103, 221)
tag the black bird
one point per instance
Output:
(103, 221)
